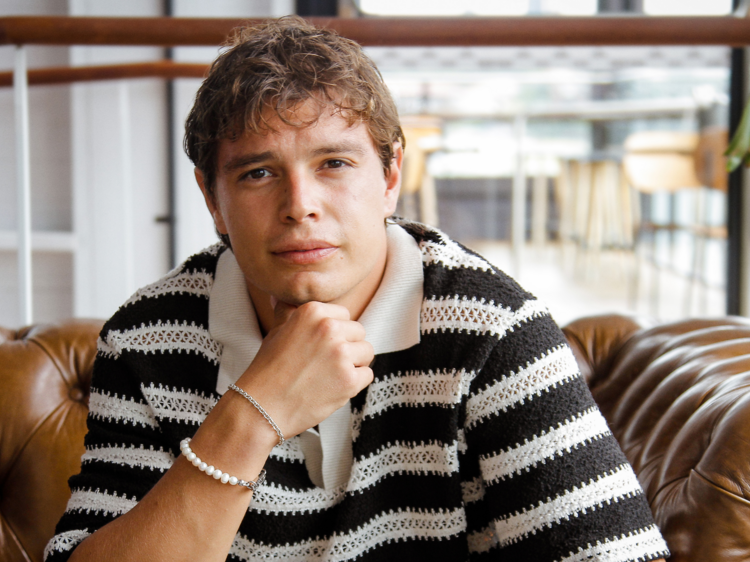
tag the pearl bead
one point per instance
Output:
(217, 474)
(196, 461)
(191, 455)
(202, 466)
(233, 480)
(209, 470)
(224, 478)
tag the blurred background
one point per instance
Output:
(593, 175)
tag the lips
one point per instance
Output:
(305, 252)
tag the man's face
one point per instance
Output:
(304, 209)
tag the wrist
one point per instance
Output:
(235, 436)
(260, 409)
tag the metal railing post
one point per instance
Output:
(518, 198)
(23, 184)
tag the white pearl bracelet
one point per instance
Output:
(210, 470)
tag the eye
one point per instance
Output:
(335, 163)
(257, 174)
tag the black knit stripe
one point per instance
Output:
(506, 294)
(523, 420)
(551, 478)
(354, 510)
(177, 309)
(587, 528)
(440, 351)
(413, 549)
(401, 425)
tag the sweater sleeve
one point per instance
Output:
(125, 456)
(544, 477)
(155, 368)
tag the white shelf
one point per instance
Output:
(44, 241)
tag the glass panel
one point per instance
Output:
(598, 236)
(547, 7)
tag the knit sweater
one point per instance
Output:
(480, 442)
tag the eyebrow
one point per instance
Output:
(246, 160)
(249, 159)
(340, 148)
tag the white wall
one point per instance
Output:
(51, 200)
(118, 131)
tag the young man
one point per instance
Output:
(406, 399)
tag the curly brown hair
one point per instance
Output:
(277, 65)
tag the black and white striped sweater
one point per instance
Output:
(481, 442)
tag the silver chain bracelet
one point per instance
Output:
(261, 410)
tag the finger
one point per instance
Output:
(281, 312)
(353, 331)
(365, 377)
(362, 353)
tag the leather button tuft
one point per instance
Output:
(76, 394)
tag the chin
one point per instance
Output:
(300, 297)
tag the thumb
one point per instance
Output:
(281, 311)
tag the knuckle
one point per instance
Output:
(309, 309)
(350, 381)
(327, 326)
(340, 354)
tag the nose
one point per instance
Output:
(301, 199)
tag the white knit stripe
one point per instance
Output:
(482, 541)
(611, 487)
(577, 431)
(411, 458)
(418, 388)
(271, 498)
(289, 451)
(193, 282)
(114, 408)
(65, 541)
(214, 249)
(639, 545)
(557, 367)
(396, 526)
(451, 255)
(162, 337)
(103, 502)
(472, 315)
(356, 423)
(461, 438)
(178, 405)
(140, 457)
(472, 490)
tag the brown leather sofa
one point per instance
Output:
(677, 397)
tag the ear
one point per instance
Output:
(393, 180)
(210, 199)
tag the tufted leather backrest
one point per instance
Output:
(45, 374)
(677, 398)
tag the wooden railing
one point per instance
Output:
(469, 31)
(66, 75)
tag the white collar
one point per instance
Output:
(391, 319)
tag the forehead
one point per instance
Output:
(307, 127)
